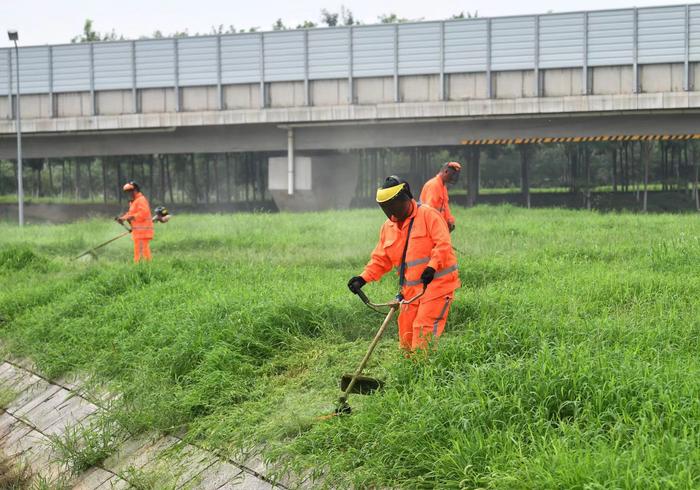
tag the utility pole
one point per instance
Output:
(14, 36)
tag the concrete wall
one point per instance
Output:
(610, 80)
(36, 106)
(513, 84)
(328, 92)
(5, 111)
(374, 90)
(562, 82)
(71, 104)
(199, 98)
(465, 86)
(245, 96)
(661, 78)
(115, 102)
(424, 88)
(285, 94)
(157, 100)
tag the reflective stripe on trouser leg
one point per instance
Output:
(430, 320)
(442, 313)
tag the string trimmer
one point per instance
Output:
(162, 216)
(364, 385)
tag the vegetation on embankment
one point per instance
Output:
(570, 356)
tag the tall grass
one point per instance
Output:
(569, 360)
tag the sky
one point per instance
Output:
(57, 21)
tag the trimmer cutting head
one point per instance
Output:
(342, 409)
(89, 256)
(364, 385)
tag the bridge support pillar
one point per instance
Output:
(525, 156)
(322, 180)
(473, 174)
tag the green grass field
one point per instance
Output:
(570, 359)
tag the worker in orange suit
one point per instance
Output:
(414, 239)
(434, 192)
(139, 217)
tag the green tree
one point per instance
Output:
(279, 25)
(468, 15)
(307, 24)
(391, 18)
(329, 18)
(344, 17)
(347, 17)
(220, 29)
(158, 34)
(90, 35)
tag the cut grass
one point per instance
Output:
(79, 448)
(6, 396)
(149, 479)
(14, 476)
(569, 359)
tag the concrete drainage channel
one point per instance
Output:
(37, 409)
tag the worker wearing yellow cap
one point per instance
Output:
(139, 217)
(434, 192)
(416, 241)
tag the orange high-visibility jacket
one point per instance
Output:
(434, 194)
(141, 225)
(429, 245)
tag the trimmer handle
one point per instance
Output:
(127, 228)
(362, 296)
(392, 304)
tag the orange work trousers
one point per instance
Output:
(142, 249)
(421, 321)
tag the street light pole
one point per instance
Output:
(14, 36)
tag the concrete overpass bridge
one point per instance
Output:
(309, 93)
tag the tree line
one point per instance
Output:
(167, 179)
(577, 168)
(327, 18)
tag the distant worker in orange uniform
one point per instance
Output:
(139, 217)
(416, 241)
(434, 192)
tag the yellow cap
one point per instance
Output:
(454, 165)
(128, 187)
(384, 195)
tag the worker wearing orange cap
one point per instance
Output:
(416, 241)
(139, 217)
(434, 192)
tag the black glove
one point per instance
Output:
(118, 220)
(427, 276)
(356, 283)
(451, 227)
